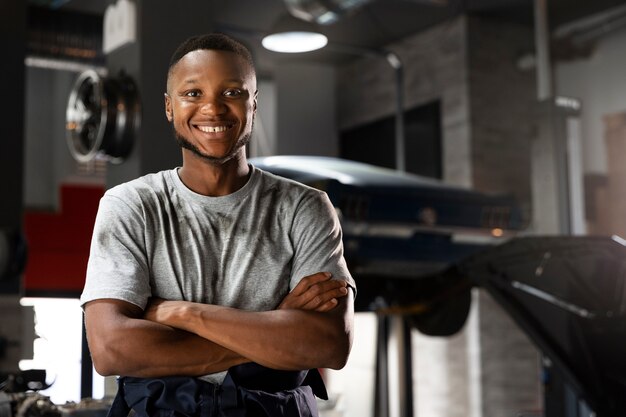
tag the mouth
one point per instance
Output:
(215, 128)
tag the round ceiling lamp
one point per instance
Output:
(291, 35)
(294, 42)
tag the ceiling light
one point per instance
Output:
(291, 35)
(293, 42)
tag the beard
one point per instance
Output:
(183, 142)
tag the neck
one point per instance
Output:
(214, 180)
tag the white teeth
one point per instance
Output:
(210, 129)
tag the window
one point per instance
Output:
(374, 143)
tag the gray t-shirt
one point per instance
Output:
(154, 237)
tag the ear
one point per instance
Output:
(168, 107)
(254, 101)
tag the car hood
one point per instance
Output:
(568, 294)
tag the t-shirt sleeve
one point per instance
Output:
(317, 238)
(117, 266)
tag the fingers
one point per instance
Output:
(321, 294)
(310, 280)
(317, 292)
(332, 303)
(323, 291)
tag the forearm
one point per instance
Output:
(280, 339)
(136, 347)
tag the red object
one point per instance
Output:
(58, 243)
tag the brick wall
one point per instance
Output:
(502, 105)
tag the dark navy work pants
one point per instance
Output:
(249, 390)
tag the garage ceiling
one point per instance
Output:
(374, 25)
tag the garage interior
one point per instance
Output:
(515, 103)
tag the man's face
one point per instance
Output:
(211, 102)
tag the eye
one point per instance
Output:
(192, 93)
(233, 92)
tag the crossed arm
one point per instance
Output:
(311, 328)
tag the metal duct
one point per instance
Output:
(323, 12)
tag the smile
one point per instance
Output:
(213, 129)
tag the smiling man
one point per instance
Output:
(216, 288)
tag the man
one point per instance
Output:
(216, 266)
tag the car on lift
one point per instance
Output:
(403, 232)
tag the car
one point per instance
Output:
(403, 232)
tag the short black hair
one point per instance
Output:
(212, 41)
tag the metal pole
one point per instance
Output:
(381, 384)
(408, 368)
(396, 64)
(554, 125)
(542, 45)
(400, 335)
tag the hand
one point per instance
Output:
(317, 292)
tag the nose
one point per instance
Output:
(213, 105)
